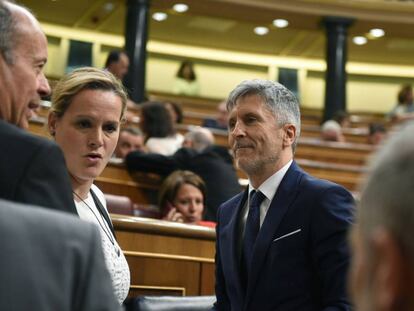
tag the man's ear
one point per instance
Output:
(289, 135)
(51, 123)
(390, 272)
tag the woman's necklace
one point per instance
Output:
(104, 227)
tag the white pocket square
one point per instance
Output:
(287, 234)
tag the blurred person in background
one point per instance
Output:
(157, 125)
(117, 63)
(382, 269)
(331, 130)
(130, 139)
(377, 133)
(181, 198)
(404, 110)
(175, 111)
(186, 80)
(221, 120)
(199, 155)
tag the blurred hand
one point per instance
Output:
(174, 215)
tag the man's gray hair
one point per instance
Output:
(200, 137)
(7, 29)
(387, 198)
(132, 130)
(278, 99)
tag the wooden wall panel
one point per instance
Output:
(167, 258)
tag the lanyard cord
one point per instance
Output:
(105, 227)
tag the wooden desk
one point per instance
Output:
(38, 126)
(167, 258)
(115, 179)
(334, 152)
(348, 176)
(352, 135)
(188, 103)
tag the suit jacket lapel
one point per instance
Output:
(284, 197)
(229, 240)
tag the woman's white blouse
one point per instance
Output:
(117, 265)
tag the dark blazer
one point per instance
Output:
(302, 271)
(51, 261)
(214, 165)
(33, 170)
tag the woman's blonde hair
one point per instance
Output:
(86, 78)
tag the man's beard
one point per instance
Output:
(253, 167)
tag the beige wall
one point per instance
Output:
(56, 64)
(374, 93)
(365, 93)
(313, 89)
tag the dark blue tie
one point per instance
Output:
(251, 230)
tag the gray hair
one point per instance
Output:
(277, 98)
(200, 137)
(7, 29)
(387, 198)
(132, 130)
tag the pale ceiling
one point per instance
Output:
(228, 24)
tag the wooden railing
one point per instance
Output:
(167, 258)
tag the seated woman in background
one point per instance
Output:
(404, 110)
(158, 128)
(87, 108)
(181, 198)
(186, 80)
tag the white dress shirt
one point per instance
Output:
(268, 188)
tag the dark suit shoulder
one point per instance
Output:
(45, 220)
(73, 275)
(21, 145)
(318, 184)
(33, 170)
(313, 184)
(13, 136)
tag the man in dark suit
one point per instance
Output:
(281, 244)
(51, 261)
(212, 163)
(32, 169)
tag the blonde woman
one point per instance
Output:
(87, 108)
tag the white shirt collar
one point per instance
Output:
(270, 185)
